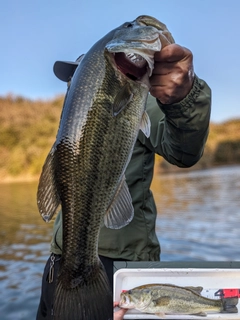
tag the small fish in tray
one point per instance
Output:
(162, 299)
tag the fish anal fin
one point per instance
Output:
(120, 212)
(145, 125)
(200, 314)
(122, 99)
(47, 195)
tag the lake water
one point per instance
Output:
(199, 214)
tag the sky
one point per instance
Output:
(34, 34)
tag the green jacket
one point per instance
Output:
(178, 133)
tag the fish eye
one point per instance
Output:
(129, 25)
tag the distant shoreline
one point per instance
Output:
(19, 179)
(28, 131)
(174, 170)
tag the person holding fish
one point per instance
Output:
(174, 123)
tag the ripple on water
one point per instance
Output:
(198, 219)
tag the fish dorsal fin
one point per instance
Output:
(195, 289)
(122, 99)
(47, 196)
(120, 212)
(145, 125)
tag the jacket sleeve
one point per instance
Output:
(179, 131)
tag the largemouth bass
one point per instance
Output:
(162, 299)
(84, 171)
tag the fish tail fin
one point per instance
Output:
(91, 300)
(230, 305)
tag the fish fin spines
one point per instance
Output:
(120, 212)
(47, 196)
(195, 289)
(91, 300)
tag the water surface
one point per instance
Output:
(24, 248)
(198, 219)
(199, 214)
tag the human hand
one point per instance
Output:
(118, 315)
(173, 74)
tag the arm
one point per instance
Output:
(180, 131)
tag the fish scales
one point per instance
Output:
(98, 157)
(95, 190)
(183, 300)
(94, 154)
(84, 171)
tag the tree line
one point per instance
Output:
(28, 129)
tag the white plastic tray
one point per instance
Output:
(210, 279)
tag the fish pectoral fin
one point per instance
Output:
(47, 196)
(195, 289)
(162, 301)
(120, 212)
(145, 125)
(122, 99)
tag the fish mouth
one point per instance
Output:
(132, 65)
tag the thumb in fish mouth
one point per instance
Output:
(164, 38)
